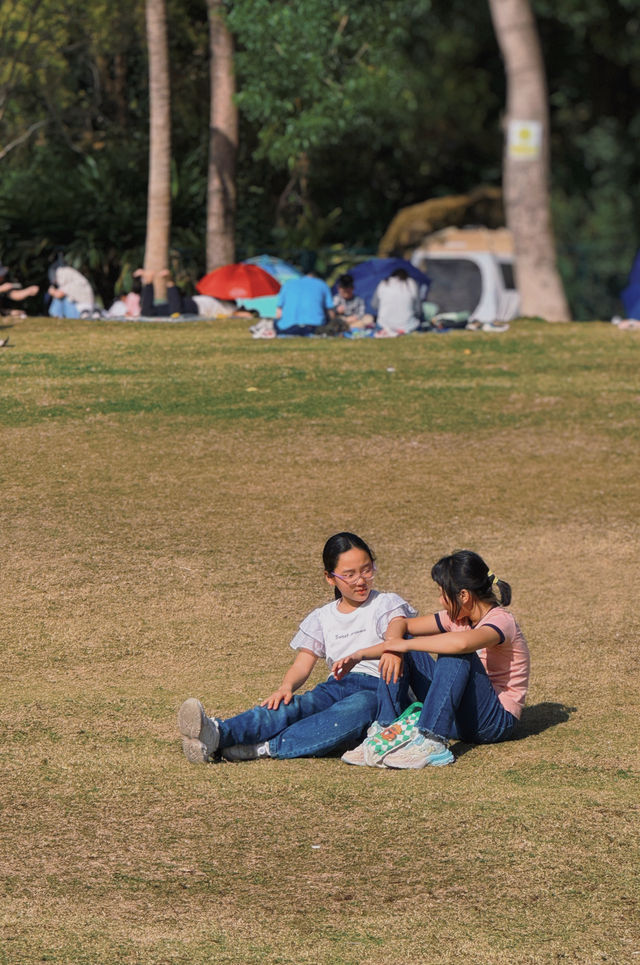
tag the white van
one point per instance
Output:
(479, 282)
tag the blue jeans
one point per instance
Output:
(295, 329)
(457, 696)
(332, 716)
(63, 308)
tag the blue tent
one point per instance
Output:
(368, 274)
(631, 294)
(281, 270)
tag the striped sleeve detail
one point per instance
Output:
(498, 631)
(439, 622)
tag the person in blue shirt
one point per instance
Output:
(303, 305)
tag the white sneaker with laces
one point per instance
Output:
(200, 734)
(357, 754)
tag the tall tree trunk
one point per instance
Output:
(156, 256)
(527, 160)
(223, 142)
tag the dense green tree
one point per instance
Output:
(366, 106)
(347, 112)
(590, 50)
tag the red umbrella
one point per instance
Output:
(238, 281)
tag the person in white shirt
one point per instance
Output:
(396, 302)
(335, 714)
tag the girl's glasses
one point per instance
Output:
(367, 573)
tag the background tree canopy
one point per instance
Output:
(348, 111)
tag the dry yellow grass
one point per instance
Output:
(168, 545)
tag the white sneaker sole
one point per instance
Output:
(200, 735)
(191, 718)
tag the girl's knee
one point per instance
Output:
(365, 700)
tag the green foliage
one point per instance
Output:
(349, 111)
(74, 214)
(344, 87)
(590, 51)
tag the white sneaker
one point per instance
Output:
(356, 756)
(261, 325)
(263, 330)
(420, 752)
(495, 327)
(200, 734)
(246, 752)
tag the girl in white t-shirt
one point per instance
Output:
(474, 691)
(336, 713)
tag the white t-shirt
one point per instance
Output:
(397, 305)
(330, 634)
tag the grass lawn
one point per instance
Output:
(166, 493)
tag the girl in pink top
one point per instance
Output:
(474, 691)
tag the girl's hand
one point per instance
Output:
(391, 666)
(397, 644)
(274, 701)
(342, 667)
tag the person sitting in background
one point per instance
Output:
(304, 304)
(396, 301)
(350, 308)
(127, 305)
(179, 304)
(11, 291)
(70, 294)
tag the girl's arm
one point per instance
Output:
(294, 678)
(393, 642)
(416, 626)
(453, 642)
(431, 640)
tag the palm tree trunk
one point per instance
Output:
(527, 161)
(156, 257)
(223, 142)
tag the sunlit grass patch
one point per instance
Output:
(166, 494)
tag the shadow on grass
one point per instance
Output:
(534, 720)
(541, 717)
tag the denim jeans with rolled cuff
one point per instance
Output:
(333, 716)
(458, 699)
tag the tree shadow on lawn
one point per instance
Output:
(534, 720)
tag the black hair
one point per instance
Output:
(345, 281)
(465, 570)
(400, 273)
(336, 546)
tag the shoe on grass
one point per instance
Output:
(200, 734)
(421, 752)
(390, 738)
(356, 755)
(246, 752)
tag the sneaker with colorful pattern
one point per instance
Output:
(396, 735)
